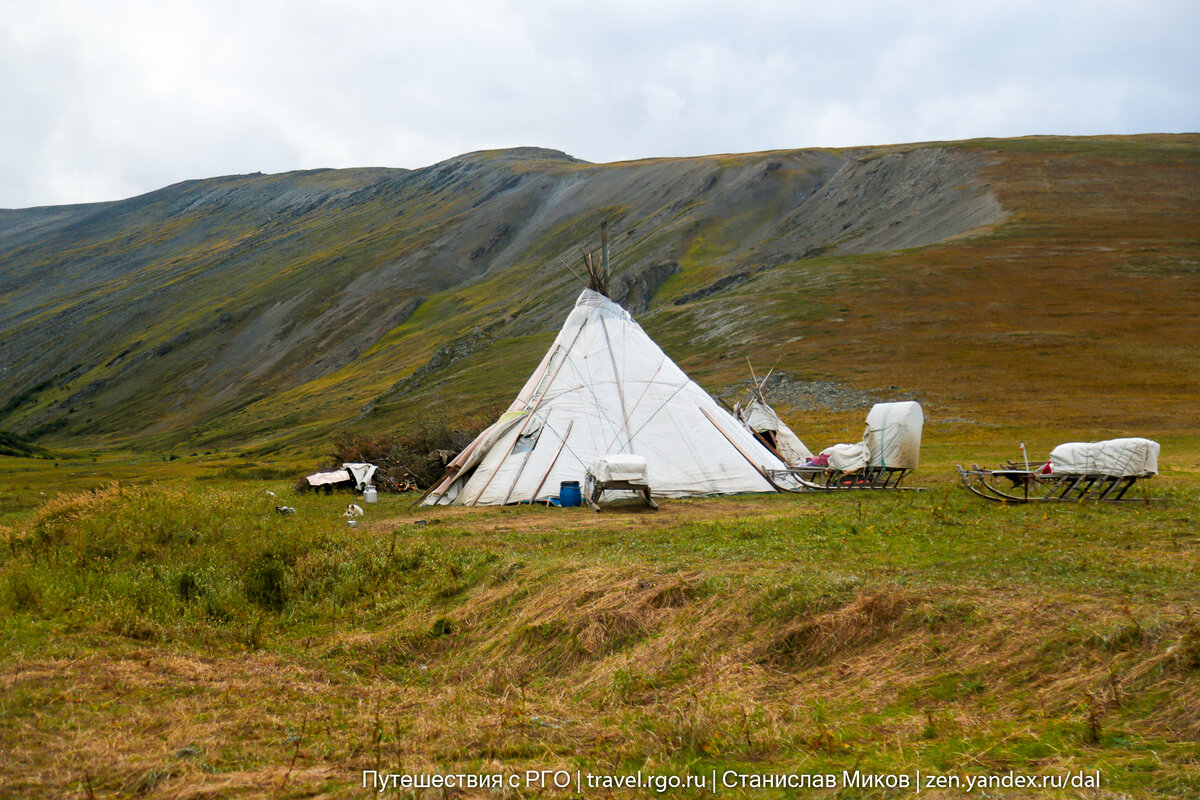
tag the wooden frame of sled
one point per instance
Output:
(617, 472)
(1032, 486)
(596, 489)
(828, 479)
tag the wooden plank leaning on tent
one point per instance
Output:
(758, 468)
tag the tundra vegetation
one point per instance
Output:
(177, 637)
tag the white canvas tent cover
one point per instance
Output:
(761, 418)
(1118, 457)
(605, 388)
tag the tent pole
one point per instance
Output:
(521, 471)
(553, 461)
(429, 491)
(737, 447)
(774, 452)
(762, 388)
(620, 389)
(529, 414)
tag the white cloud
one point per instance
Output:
(107, 99)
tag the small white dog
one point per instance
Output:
(353, 510)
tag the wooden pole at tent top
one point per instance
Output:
(604, 249)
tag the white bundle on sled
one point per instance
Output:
(1117, 457)
(893, 434)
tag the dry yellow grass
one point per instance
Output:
(616, 668)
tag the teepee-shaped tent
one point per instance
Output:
(605, 388)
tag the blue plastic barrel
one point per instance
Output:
(569, 494)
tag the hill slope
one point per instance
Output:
(978, 276)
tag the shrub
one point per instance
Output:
(265, 582)
(24, 594)
(187, 587)
(415, 456)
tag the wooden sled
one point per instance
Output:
(827, 479)
(597, 488)
(1017, 484)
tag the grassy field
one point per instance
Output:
(178, 638)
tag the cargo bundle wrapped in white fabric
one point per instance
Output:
(893, 434)
(1077, 471)
(1117, 457)
(892, 440)
(846, 457)
(606, 389)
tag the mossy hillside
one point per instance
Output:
(875, 338)
(1152, 148)
(1009, 313)
(493, 374)
(515, 300)
(225, 283)
(260, 289)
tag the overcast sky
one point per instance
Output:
(105, 99)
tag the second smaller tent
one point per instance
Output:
(769, 429)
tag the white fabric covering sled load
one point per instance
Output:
(846, 457)
(893, 435)
(606, 389)
(1119, 457)
(892, 440)
(623, 473)
(890, 449)
(619, 468)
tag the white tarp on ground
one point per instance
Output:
(893, 434)
(361, 474)
(324, 478)
(1123, 457)
(761, 418)
(605, 388)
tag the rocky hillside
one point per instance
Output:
(272, 309)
